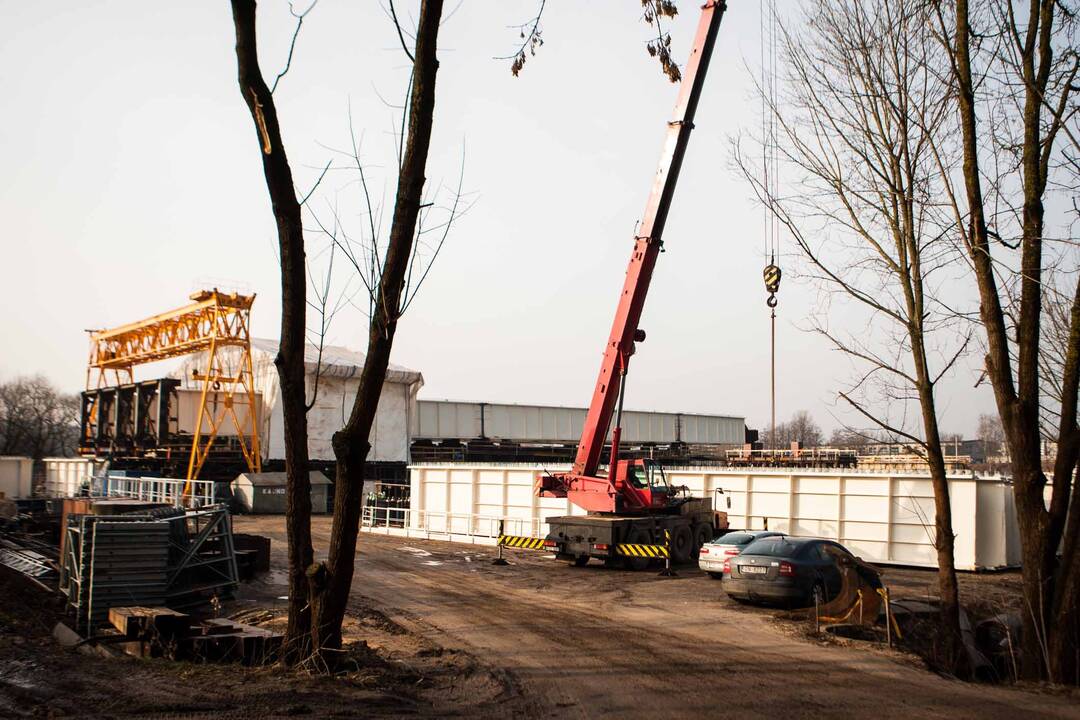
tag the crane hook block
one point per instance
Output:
(772, 275)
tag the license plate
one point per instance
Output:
(753, 570)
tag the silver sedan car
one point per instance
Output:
(712, 556)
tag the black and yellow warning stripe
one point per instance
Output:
(641, 551)
(525, 543)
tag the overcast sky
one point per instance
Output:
(132, 177)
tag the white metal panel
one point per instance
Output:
(883, 518)
(65, 477)
(445, 419)
(712, 430)
(649, 427)
(16, 476)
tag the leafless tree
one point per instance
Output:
(36, 419)
(1014, 66)
(286, 207)
(861, 95)
(389, 291)
(802, 428)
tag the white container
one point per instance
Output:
(16, 476)
(65, 477)
(883, 518)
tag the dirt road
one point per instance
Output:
(593, 642)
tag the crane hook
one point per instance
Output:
(772, 275)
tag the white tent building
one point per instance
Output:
(338, 382)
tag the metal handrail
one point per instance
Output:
(444, 523)
(154, 489)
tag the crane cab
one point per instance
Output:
(641, 485)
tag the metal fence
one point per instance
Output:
(430, 524)
(187, 493)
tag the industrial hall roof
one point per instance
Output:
(338, 361)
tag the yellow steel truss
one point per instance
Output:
(214, 320)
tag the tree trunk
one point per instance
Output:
(955, 658)
(290, 357)
(1065, 641)
(1046, 584)
(332, 581)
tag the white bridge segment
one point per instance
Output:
(885, 518)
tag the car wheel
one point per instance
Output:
(716, 575)
(581, 561)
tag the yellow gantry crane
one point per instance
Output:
(212, 321)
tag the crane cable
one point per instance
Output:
(770, 168)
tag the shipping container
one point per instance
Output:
(265, 493)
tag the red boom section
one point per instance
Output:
(647, 244)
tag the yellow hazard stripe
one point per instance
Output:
(525, 543)
(642, 551)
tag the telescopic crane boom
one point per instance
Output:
(620, 489)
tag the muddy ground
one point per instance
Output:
(449, 634)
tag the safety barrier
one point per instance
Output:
(642, 551)
(456, 527)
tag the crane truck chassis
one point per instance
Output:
(686, 525)
(631, 501)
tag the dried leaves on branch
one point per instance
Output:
(655, 12)
(660, 46)
(532, 41)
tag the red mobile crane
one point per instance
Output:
(632, 502)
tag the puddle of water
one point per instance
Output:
(415, 551)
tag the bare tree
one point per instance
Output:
(331, 581)
(1014, 66)
(862, 97)
(36, 419)
(802, 428)
(286, 207)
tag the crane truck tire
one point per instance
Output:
(703, 534)
(682, 544)
(638, 536)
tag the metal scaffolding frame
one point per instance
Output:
(214, 320)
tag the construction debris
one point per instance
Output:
(153, 632)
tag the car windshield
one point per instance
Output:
(734, 538)
(772, 546)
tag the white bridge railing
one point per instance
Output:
(483, 529)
